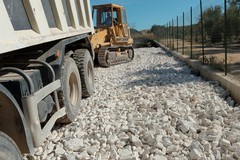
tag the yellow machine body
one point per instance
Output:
(112, 41)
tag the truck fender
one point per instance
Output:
(13, 123)
(91, 49)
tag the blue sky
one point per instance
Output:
(142, 14)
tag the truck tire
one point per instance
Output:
(8, 148)
(71, 94)
(13, 122)
(84, 62)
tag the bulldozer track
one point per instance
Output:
(105, 60)
(102, 57)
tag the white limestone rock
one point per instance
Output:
(158, 157)
(84, 155)
(125, 154)
(172, 148)
(206, 146)
(112, 139)
(136, 141)
(225, 143)
(195, 154)
(92, 150)
(79, 134)
(159, 145)
(59, 150)
(114, 154)
(171, 113)
(123, 136)
(166, 141)
(74, 144)
(150, 139)
(169, 104)
(196, 145)
(174, 114)
(165, 119)
(211, 138)
(69, 157)
(237, 154)
(185, 126)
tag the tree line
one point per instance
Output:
(213, 26)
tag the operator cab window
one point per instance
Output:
(124, 17)
(104, 17)
(115, 19)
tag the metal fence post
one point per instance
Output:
(203, 54)
(172, 35)
(164, 36)
(167, 35)
(164, 31)
(225, 34)
(166, 40)
(191, 33)
(177, 33)
(183, 36)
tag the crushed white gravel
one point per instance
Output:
(152, 108)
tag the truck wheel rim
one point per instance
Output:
(90, 74)
(74, 93)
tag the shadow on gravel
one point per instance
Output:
(162, 76)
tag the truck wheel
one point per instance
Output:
(8, 148)
(84, 62)
(71, 94)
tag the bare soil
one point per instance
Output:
(213, 55)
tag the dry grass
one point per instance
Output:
(145, 35)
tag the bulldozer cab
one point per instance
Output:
(114, 17)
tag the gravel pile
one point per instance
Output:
(151, 108)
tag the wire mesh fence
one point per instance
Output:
(210, 34)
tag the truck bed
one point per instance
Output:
(25, 23)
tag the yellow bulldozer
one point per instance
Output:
(112, 42)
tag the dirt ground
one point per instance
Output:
(214, 56)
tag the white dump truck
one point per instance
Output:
(46, 67)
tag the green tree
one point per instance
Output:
(233, 21)
(213, 23)
(157, 30)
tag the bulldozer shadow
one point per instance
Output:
(162, 76)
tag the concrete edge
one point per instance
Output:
(227, 82)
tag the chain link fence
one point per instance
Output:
(210, 34)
